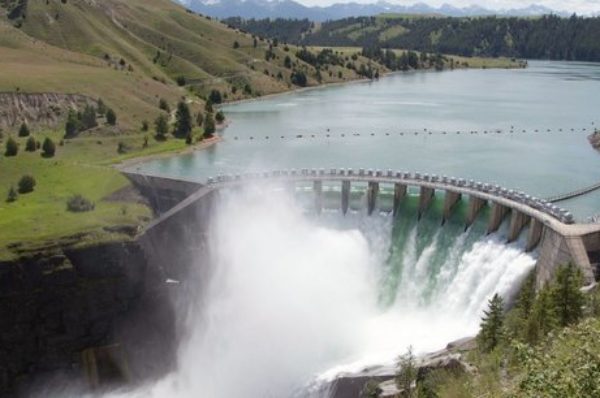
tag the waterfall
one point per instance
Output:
(298, 296)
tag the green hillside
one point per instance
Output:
(131, 52)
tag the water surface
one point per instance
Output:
(378, 121)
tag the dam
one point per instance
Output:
(550, 230)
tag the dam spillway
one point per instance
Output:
(336, 274)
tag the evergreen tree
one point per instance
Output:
(406, 374)
(12, 148)
(24, 130)
(542, 318)
(287, 62)
(12, 195)
(30, 145)
(220, 117)
(101, 107)
(492, 325)
(567, 296)
(88, 117)
(183, 120)
(208, 106)
(161, 127)
(48, 148)
(145, 125)
(111, 117)
(72, 126)
(209, 126)
(215, 97)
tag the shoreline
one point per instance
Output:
(201, 145)
(121, 166)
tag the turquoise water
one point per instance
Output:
(546, 96)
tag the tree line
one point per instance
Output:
(548, 37)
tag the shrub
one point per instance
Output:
(220, 117)
(164, 105)
(73, 125)
(48, 148)
(79, 204)
(236, 44)
(26, 184)
(200, 119)
(181, 81)
(24, 130)
(122, 148)
(145, 125)
(12, 195)
(12, 148)
(30, 145)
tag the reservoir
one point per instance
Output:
(409, 121)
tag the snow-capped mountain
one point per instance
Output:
(294, 9)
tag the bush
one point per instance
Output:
(122, 148)
(145, 125)
(181, 81)
(220, 117)
(12, 195)
(111, 117)
(30, 145)
(73, 125)
(26, 184)
(48, 148)
(79, 204)
(24, 130)
(12, 148)
(164, 105)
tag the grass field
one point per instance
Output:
(83, 166)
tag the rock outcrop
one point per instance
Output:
(53, 307)
(40, 109)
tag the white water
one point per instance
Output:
(295, 299)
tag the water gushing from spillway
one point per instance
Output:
(297, 297)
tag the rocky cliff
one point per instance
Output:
(55, 307)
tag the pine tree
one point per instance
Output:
(209, 126)
(492, 325)
(24, 130)
(543, 317)
(12, 148)
(208, 106)
(111, 117)
(88, 118)
(567, 296)
(406, 374)
(72, 126)
(30, 145)
(101, 107)
(161, 127)
(48, 148)
(183, 120)
(12, 195)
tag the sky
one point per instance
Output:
(583, 7)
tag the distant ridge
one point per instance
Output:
(293, 9)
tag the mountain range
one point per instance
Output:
(292, 9)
